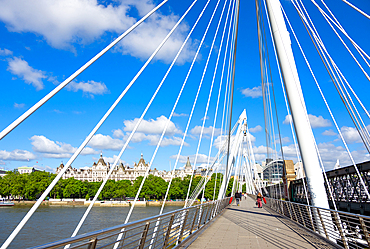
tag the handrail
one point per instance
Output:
(342, 229)
(199, 214)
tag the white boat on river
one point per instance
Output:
(4, 202)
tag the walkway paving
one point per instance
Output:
(247, 226)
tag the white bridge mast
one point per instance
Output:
(233, 152)
(306, 140)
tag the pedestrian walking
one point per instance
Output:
(237, 198)
(259, 200)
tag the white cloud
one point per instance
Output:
(57, 111)
(263, 150)
(90, 88)
(255, 92)
(179, 114)
(118, 133)
(152, 126)
(16, 155)
(102, 142)
(290, 152)
(200, 159)
(19, 106)
(111, 160)
(284, 140)
(251, 137)
(220, 140)
(288, 119)
(350, 135)
(330, 153)
(31, 76)
(329, 132)
(256, 129)
(315, 121)
(62, 23)
(154, 139)
(5, 52)
(319, 121)
(206, 130)
(56, 149)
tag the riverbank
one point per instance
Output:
(100, 203)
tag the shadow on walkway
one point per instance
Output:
(245, 226)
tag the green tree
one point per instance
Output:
(176, 190)
(124, 188)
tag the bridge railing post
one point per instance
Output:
(322, 223)
(293, 209)
(290, 214)
(310, 217)
(209, 211)
(340, 229)
(201, 213)
(194, 219)
(364, 230)
(93, 243)
(165, 244)
(300, 212)
(183, 226)
(143, 236)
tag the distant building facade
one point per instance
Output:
(99, 171)
(26, 170)
(2, 173)
(273, 171)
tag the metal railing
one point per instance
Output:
(161, 231)
(346, 230)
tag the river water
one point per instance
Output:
(51, 223)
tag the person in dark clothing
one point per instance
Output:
(237, 198)
(259, 200)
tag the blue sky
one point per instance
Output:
(44, 42)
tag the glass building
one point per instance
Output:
(273, 171)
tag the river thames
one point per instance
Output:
(51, 223)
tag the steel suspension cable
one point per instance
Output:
(272, 86)
(357, 9)
(358, 48)
(339, 87)
(282, 85)
(329, 20)
(209, 97)
(219, 89)
(25, 115)
(227, 87)
(232, 87)
(82, 146)
(134, 129)
(168, 188)
(142, 183)
(337, 84)
(329, 109)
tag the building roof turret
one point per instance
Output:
(101, 160)
(142, 161)
(187, 165)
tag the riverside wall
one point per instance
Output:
(81, 202)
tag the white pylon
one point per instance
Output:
(306, 142)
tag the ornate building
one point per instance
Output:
(99, 171)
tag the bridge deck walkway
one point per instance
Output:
(247, 226)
